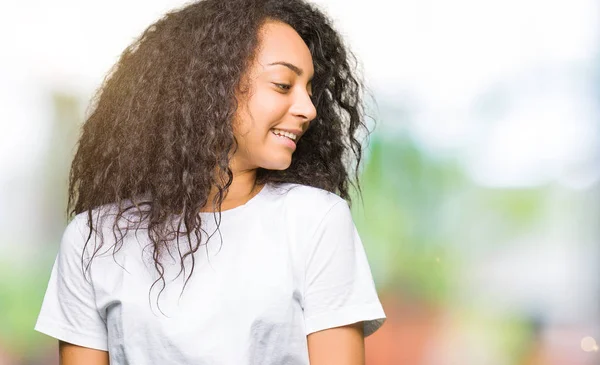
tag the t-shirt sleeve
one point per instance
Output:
(68, 311)
(339, 286)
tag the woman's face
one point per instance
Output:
(279, 98)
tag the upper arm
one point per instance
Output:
(70, 354)
(337, 346)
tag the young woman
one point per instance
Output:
(210, 199)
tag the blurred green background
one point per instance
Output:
(481, 180)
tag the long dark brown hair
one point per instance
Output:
(160, 126)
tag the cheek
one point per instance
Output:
(268, 108)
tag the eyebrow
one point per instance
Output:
(291, 66)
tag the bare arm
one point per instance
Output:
(70, 354)
(337, 346)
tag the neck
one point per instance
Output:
(241, 190)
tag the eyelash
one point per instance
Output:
(286, 87)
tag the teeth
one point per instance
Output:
(289, 135)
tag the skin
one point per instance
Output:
(337, 346)
(279, 98)
(70, 354)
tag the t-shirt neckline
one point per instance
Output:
(229, 212)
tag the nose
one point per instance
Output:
(303, 107)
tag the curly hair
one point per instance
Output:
(160, 125)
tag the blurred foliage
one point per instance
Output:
(22, 289)
(57, 161)
(22, 285)
(422, 214)
(404, 225)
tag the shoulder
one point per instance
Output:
(75, 229)
(80, 223)
(100, 222)
(304, 198)
(306, 207)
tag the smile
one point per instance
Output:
(284, 139)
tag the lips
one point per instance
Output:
(282, 135)
(284, 140)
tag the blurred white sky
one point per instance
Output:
(439, 56)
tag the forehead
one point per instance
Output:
(280, 42)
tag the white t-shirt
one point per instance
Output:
(290, 263)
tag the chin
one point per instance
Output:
(277, 165)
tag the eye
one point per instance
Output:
(284, 87)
